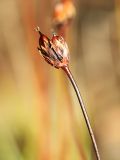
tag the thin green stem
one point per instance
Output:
(70, 76)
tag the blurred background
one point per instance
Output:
(40, 118)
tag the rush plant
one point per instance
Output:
(55, 52)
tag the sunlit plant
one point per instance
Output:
(55, 51)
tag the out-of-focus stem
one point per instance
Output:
(70, 76)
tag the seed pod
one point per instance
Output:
(55, 50)
(63, 13)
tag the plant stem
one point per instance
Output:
(70, 76)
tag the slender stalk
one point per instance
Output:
(70, 76)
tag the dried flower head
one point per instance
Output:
(63, 12)
(55, 50)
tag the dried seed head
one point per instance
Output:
(55, 50)
(63, 12)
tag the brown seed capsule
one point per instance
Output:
(63, 12)
(55, 50)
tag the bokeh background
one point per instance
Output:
(40, 118)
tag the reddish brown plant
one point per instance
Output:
(55, 51)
